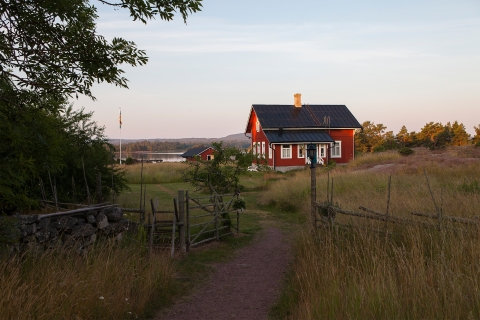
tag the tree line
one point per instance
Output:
(434, 135)
(173, 146)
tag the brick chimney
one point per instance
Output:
(297, 100)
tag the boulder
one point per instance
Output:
(102, 221)
(83, 231)
(27, 229)
(91, 219)
(114, 214)
(65, 223)
(24, 219)
(43, 223)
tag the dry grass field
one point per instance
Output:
(378, 271)
(110, 281)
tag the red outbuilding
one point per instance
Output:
(204, 153)
(281, 133)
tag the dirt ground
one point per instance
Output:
(244, 288)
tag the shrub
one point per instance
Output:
(379, 149)
(129, 161)
(405, 151)
(477, 144)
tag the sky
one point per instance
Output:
(390, 62)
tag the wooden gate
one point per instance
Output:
(208, 219)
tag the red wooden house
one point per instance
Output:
(205, 153)
(280, 133)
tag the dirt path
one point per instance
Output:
(164, 189)
(244, 288)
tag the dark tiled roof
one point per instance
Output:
(308, 116)
(294, 136)
(194, 152)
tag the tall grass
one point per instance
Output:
(453, 187)
(360, 274)
(163, 172)
(109, 282)
(378, 271)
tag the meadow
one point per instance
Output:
(370, 270)
(376, 271)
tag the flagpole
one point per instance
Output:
(120, 120)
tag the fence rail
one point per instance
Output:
(326, 213)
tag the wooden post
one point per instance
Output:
(74, 192)
(388, 198)
(172, 253)
(313, 194)
(42, 189)
(141, 189)
(152, 225)
(328, 186)
(215, 212)
(99, 188)
(89, 199)
(181, 217)
(187, 219)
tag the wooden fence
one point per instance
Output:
(326, 213)
(194, 220)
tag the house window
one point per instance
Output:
(337, 149)
(254, 148)
(322, 151)
(301, 151)
(209, 157)
(258, 126)
(270, 152)
(286, 151)
(263, 149)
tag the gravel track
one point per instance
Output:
(245, 287)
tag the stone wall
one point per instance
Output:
(79, 229)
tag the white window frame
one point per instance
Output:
(210, 157)
(263, 149)
(270, 152)
(337, 146)
(286, 151)
(254, 148)
(299, 149)
(321, 151)
(257, 124)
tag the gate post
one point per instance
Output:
(216, 213)
(187, 220)
(181, 217)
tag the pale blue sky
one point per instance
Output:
(391, 62)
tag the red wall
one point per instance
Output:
(346, 136)
(205, 153)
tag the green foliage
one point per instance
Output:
(434, 135)
(370, 136)
(239, 204)
(476, 137)
(9, 233)
(379, 149)
(72, 56)
(221, 174)
(405, 151)
(459, 134)
(129, 161)
(43, 139)
(49, 51)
